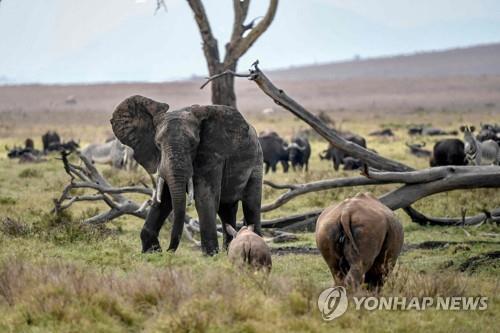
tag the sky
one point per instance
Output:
(85, 41)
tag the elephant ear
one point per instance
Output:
(134, 124)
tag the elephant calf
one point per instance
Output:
(360, 240)
(248, 248)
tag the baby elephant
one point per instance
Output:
(360, 240)
(248, 248)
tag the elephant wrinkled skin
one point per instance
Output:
(212, 144)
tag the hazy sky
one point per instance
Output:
(62, 41)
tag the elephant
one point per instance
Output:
(213, 145)
(360, 240)
(274, 151)
(248, 248)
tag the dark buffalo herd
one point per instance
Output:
(276, 150)
(51, 142)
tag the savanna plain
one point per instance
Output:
(57, 275)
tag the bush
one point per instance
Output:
(14, 228)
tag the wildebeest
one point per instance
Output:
(487, 132)
(113, 152)
(418, 150)
(28, 154)
(448, 152)
(299, 152)
(480, 153)
(29, 143)
(68, 146)
(428, 130)
(274, 151)
(360, 240)
(50, 140)
(384, 132)
(336, 155)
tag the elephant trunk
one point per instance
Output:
(177, 186)
(177, 172)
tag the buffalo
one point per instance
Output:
(299, 152)
(274, 151)
(448, 152)
(336, 155)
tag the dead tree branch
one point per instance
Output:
(418, 184)
(295, 190)
(89, 178)
(281, 98)
(417, 217)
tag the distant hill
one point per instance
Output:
(469, 61)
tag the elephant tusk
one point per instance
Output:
(143, 206)
(159, 188)
(190, 191)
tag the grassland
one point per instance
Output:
(59, 276)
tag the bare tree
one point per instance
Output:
(243, 36)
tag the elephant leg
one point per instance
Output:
(252, 200)
(157, 215)
(227, 213)
(207, 195)
(267, 167)
(273, 167)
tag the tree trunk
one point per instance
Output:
(223, 89)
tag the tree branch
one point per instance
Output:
(238, 46)
(240, 14)
(210, 46)
(321, 185)
(422, 219)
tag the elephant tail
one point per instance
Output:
(345, 222)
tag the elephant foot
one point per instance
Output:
(210, 247)
(150, 243)
(211, 252)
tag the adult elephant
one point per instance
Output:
(213, 145)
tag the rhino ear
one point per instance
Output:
(133, 123)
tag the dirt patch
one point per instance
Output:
(490, 259)
(430, 245)
(280, 251)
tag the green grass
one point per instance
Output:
(59, 276)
